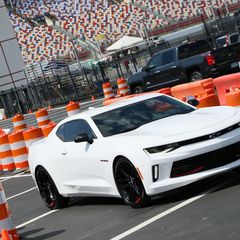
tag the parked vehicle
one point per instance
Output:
(227, 40)
(187, 62)
(135, 149)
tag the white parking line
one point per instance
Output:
(37, 218)
(15, 176)
(3, 179)
(145, 223)
(167, 212)
(19, 194)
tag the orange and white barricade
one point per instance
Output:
(73, 108)
(19, 149)
(108, 90)
(123, 87)
(6, 153)
(42, 117)
(47, 129)
(6, 217)
(32, 135)
(19, 122)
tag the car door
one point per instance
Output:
(83, 170)
(153, 71)
(170, 70)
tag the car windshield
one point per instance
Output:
(132, 116)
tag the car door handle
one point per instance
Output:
(158, 71)
(64, 152)
(173, 66)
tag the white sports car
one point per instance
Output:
(134, 149)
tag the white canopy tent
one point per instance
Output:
(125, 43)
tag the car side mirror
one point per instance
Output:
(83, 137)
(194, 102)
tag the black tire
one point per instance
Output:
(195, 76)
(48, 190)
(138, 89)
(129, 184)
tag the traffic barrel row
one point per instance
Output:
(14, 146)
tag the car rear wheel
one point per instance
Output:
(48, 190)
(138, 89)
(129, 184)
(195, 76)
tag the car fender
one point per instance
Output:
(137, 156)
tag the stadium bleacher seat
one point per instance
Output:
(97, 17)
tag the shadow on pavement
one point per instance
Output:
(34, 234)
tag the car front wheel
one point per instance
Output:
(129, 184)
(138, 89)
(48, 190)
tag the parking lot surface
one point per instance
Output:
(208, 209)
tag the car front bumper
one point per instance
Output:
(166, 180)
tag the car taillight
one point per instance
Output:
(210, 60)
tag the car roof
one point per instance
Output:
(121, 103)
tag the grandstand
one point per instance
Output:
(93, 18)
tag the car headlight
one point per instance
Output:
(163, 149)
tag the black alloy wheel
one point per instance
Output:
(129, 184)
(195, 76)
(138, 89)
(48, 190)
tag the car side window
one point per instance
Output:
(68, 131)
(168, 57)
(155, 61)
(60, 131)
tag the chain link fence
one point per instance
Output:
(55, 83)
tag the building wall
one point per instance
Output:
(11, 61)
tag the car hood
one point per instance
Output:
(186, 126)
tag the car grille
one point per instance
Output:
(206, 161)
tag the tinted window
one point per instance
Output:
(168, 57)
(155, 61)
(132, 116)
(194, 48)
(234, 38)
(68, 131)
(60, 132)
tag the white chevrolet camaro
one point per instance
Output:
(135, 149)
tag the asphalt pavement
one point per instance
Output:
(209, 209)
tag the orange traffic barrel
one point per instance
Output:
(19, 122)
(123, 87)
(6, 222)
(73, 108)
(108, 90)
(47, 129)
(19, 149)
(42, 117)
(32, 135)
(6, 153)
